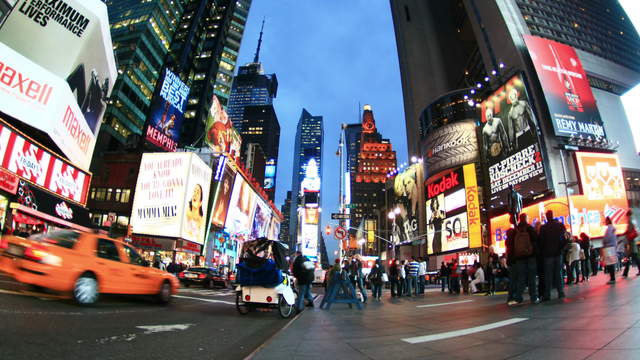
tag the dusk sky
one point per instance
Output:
(328, 56)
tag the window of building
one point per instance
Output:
(101, 194)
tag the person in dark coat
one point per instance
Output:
(303, 272)
(444, 276)
(375, 277)
(394, 278)
(551, 242)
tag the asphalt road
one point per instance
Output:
(199, 323)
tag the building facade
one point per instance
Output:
(308, 147)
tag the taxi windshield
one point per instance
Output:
(64, 238)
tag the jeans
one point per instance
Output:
(584, 264)
(454, 284)
(402, 285)
(553, 275)
(304, 293)
(444, 281)
(491, 282)
(360, 284)
(632, 257)
(395, 287)
(421, 284)
(611, 269)
(512, 284)
(574, 271)
(527, 272)
(412, 285)
(376, 290)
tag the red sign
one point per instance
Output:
(33, 163)
(188, 246)
(8, 181)
(340, 233)
(148, 242)
(448, 182)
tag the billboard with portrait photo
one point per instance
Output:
(510, 143)
(566, 88)
(241, 208)
(196, 200)
(261, 220)
(223, 195)
(406, 199)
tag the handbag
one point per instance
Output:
(385, 277)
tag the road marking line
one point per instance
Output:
(462, 332)
(442, 304)
(206, 300)
(150, 329)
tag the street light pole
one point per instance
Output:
(342, 184)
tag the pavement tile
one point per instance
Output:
(554, 354)
(495, 351)
(630, 339)
(574, 339)
(452, 345)
(615, 354)
(399, 351)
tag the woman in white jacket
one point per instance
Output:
(573, 261)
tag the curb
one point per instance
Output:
(266, 342)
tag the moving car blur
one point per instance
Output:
(83, 264)
(207, 277)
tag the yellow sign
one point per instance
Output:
(473, 205)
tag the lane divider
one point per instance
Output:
(462, 332)
(442, 304)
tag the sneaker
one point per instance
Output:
(512, 303)
(611, 282)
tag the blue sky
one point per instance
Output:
(329, 56)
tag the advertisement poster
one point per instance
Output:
(309, 242)
(311, 216)
(72, 40)
(270, 174)
(167, 112)
(566, 88)
(168, 198)
(451, 145)
(221, 137)
(600, 176)
(196, 200)
(510, 143)
(473, 205)
(446, 210)
(31, 162)
(221, 202)
(274, 229)
(261, 220)
(405, 188)
(40, 99)
(241, 209)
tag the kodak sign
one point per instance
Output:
(447, 182)
(473, 205)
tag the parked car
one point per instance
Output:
(207, 277)
(84, 265)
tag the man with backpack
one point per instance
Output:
(303, 272)
(551, 242)
(524, 251)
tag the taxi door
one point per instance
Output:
(113, 275)
(143, 278)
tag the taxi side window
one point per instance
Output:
(108, 250)
(134, 257)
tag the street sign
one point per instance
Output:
(338, 216)
(340, 233)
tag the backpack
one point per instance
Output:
(522, 244)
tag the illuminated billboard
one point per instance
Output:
(510, 144)
(261, 220)
(223, 195)
(72, 40)
(453, 211)
(170, 197)
(241, 208)
(308, 238)
(167, 112)
(405, 190)
(274, 229)
(221, 136)
(270, 174)
(566, 88)
(451, 145)
(600, 176)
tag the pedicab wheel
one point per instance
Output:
(241, 306)
(285, 310)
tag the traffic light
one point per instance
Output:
(327, 229)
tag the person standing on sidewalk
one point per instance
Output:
(585, 248)
(444, 276)
(573, 270)
(357, 277)
(511, 264)
(303, 272)
(630, 235)
(422, 272)
(454, 285)
(609, 243)
(524, 248)
(412, 277)
(402, 278)
(551, 242)
(375, 277)
(490, 274)
(394, 278)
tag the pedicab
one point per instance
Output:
(263, 279)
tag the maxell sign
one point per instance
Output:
(40, 99)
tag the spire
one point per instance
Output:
(256, 58)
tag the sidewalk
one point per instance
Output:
(596, 320)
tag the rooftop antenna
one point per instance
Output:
(256, 58)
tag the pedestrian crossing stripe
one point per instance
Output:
(496, 293)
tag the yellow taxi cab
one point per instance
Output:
(84, 264)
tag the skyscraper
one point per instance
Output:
(308, 147)
(375, 159)
(203, 54)
(141, 33)
(250, 108)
